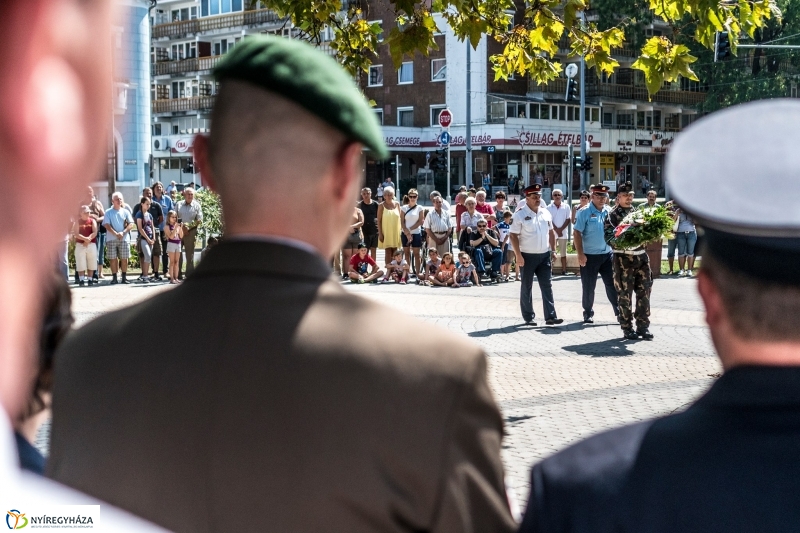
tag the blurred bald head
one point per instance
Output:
(54, 114)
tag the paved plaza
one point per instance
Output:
(555, 385)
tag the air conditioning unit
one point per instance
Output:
(531, 158)
(160, 143)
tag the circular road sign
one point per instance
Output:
(445, 118)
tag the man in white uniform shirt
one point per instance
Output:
(58, 80)
(533, 240)
(561, 218)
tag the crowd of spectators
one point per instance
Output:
(426, 243)
(158, 229)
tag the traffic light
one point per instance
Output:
(572, 90)
(722, 46)
(577, 162)
(587, 163)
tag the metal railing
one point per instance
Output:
(183, 104)
(185, 65)
(232, 20)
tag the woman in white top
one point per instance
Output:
(411, 219)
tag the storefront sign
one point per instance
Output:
(461, 140)
(644, 142)
(183, 144)
(412, 142)
(130, 161)
(536, 138)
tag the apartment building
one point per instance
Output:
(520, 131)
(189, 37)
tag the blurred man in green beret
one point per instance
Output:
(271, 414)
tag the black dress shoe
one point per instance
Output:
(553, 321)
(629, 334)
(645, 334)
(588, 319)
(530, 321)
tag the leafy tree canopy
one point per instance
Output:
(530, 44)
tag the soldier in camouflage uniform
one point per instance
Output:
(631, 273)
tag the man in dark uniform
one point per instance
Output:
(631, 273)
(594, 253)
(272, 412)
(729, 463)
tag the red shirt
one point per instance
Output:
(487, 210)
(459, 209)
(360, 265)
(85, 228)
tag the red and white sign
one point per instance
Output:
(182, 145)
(445, 118)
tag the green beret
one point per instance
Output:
(308, 77)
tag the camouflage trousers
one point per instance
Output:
(632, 275)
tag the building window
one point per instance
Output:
(515, 110)
(222, 47)
(438, 69)
(375, 76)
(405, 116)
(405, 73)
(435, 112)
(156, 129)
(219, 7)
(174, 129)
(379, 114)
(562, 112)
(544, 112)
(625, 120)
(595, 114)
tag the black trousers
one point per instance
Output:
(164, 255)
(602, 264)
(538, 264)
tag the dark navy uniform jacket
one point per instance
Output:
(729, 463)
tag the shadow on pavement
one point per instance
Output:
(496, 331)
(609, 348)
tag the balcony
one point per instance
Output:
(624, 92)
(196, 103)
(634, 92)
(182, 66)
(176, 30)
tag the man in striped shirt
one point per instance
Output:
(438, 226)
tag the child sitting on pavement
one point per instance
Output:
(504, 236)
(445, 275)
(431, 267)
(397, 270)
(465, 272)
(359, 264)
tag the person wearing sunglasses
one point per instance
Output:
(533, 240)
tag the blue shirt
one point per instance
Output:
(166, 205)
(118, 220)
(590, 222)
